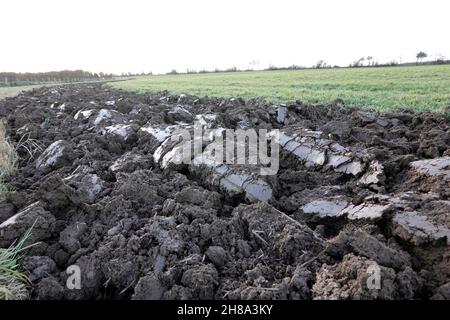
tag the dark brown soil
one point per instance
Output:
(141, 230)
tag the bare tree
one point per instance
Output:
(320, 64)
(359, 62)
(420, 56)
(440, 59)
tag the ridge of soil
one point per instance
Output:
(139, 229)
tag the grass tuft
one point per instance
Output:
(13, 283)
(8, 160)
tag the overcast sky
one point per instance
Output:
(133, 35)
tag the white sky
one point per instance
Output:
(132, 35)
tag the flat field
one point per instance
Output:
(417, 87)
(13, 91)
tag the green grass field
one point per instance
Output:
(417, 87)
(13, 91)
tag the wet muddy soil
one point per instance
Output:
(359, 208)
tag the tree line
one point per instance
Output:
(28, 78)
(368, 61)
